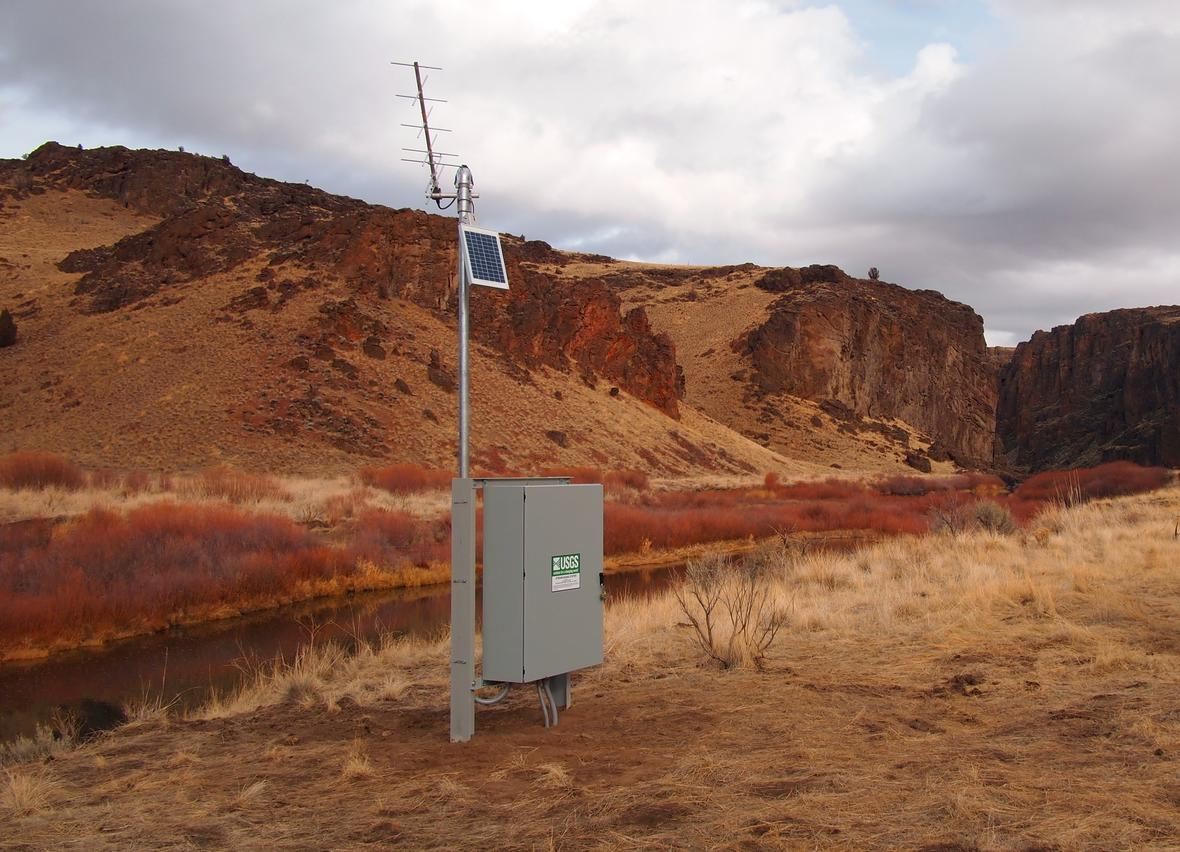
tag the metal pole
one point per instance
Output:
(462, 610)
(463, 516)
(463, 184)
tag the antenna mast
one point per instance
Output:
(466, 209)
(480, 261)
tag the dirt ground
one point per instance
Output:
(1041, 710)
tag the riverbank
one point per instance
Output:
(975, 691)
(370, 578)
(137, 567)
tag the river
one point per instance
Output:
(182, 665)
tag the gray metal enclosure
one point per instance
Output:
(542, 582)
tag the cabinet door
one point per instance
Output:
(503, 583)
(562, 579)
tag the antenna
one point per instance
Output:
(480, 261)
(433, 157)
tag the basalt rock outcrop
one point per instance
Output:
(1106, 387)
(879, 350)
(549, 321)
(214, 218)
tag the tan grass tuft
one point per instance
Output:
(249, 794)
(357, 764)
(25, 792)
(553, 775)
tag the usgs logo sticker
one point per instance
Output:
(566, 571)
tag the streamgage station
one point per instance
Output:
(542, 542)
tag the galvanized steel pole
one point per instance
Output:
(463, 514)
(463, 184)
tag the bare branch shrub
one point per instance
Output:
(731, 608)
(990, 516)
(956, 518)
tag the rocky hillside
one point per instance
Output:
(176, 312)
(814, 363)
(1106, 387)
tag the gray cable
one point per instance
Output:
(541, 697)
(496, 699)
(552, 703)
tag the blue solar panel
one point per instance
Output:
(484, 258)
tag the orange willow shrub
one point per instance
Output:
(37, 470)
(108, 571)
(629, 528)
(234, 485)
(916, 486)
(389, 538)
(405, 478)
(1113, 479)
(105, 570)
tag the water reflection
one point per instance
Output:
(184, 664)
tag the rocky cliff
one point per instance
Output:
(1106, 387)
(878, 350)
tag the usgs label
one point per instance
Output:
(566, 571)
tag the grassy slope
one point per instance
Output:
(982, 691)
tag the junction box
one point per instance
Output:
(542, 582)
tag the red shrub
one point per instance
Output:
(616, 480)
(390, 538)
(916, 486)
(577, 475)
(37, 470)
(405, 478)
(771, 481)
(104, 479)
(628, 527)
(137, 481)
(25, 535)
(105, 570)
(1107, 480)
(904, 486)
(234, 485)
(826, 489)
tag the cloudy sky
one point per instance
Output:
(1022, 156)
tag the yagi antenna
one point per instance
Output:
(480, 262)
(433, 158)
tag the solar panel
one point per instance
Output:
(483, 258)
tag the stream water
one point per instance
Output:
(184, 664)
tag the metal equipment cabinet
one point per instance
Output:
(542, 580)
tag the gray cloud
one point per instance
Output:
(1035, 182)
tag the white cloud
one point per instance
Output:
(1034, 181)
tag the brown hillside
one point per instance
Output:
(176, 312)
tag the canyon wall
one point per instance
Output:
(1106, 387)
(881, 351)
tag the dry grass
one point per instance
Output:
(357, 764)
(25, 791)
(983, 691)
(306, 500)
